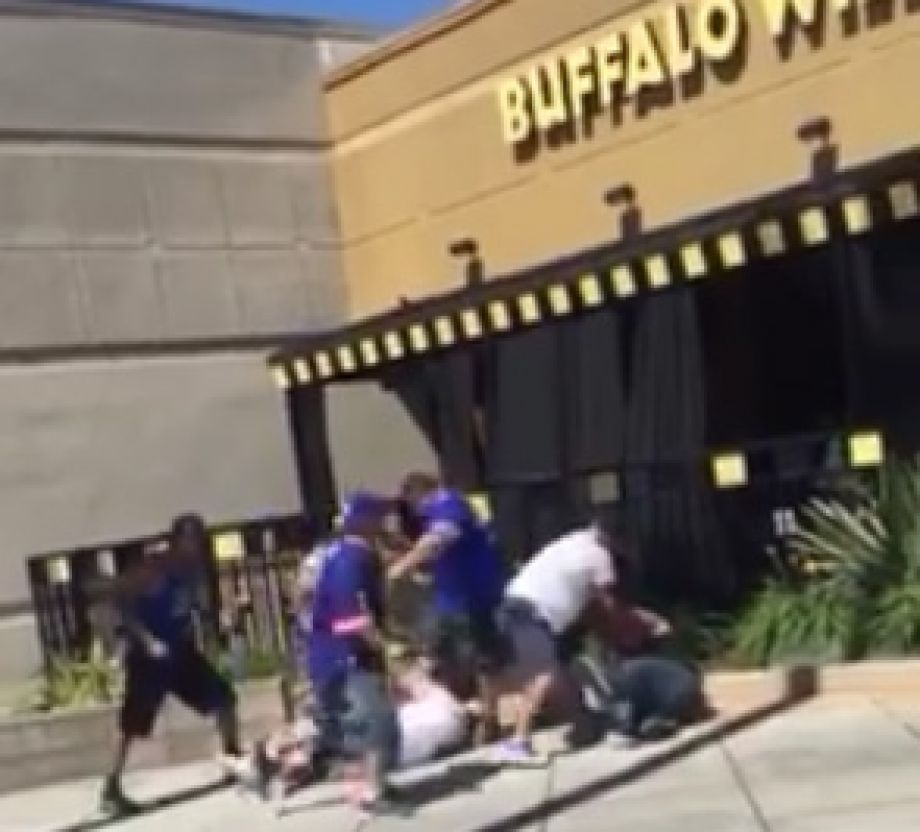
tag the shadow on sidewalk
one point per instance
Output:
(148, 807)
(454, 779)
(801, 684)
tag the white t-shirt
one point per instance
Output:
(560, 579)
(429, 726)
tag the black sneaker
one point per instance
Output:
(391, 800)
(657, 729)
(584, 733)
(115, 803)
(265, 769)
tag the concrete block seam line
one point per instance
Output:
(757, 812)
(885, 708)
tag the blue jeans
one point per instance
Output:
(356, 719)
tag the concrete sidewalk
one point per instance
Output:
(841, 765)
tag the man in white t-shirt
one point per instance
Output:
(548, 596)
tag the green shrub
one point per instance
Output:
(700, 636)
(70, 682)
(853, 589)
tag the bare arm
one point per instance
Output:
(657, 625)
(425, 550)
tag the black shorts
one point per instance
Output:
(185, 673)
(467, 641)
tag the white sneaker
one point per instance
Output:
(519, 754)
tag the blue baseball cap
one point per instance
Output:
(360, 506)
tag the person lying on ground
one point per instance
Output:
(547, 598)
(431, 722)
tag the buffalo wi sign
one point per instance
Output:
(645, 54)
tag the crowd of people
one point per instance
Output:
(487, 634)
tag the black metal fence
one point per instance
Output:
(243, 608)
(697, 541)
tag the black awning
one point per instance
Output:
(720, 242)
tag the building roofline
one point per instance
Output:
(146, 11)
(406, 40)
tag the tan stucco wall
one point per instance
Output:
(420, 158)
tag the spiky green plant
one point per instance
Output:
(856, 587)
(95, 680)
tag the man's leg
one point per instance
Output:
(228, 726)
(145, 687)
(200, 687)
(536, 663)
(373, 730)
(330, 706)
(491, 659)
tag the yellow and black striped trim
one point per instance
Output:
(657, 262)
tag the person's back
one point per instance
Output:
(559, 580)
(469, 573)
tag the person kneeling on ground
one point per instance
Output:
(643, 697)
(549, 596)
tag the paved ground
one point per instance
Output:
(847, 766)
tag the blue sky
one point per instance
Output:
(378, 12)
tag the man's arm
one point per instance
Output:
(657, 625)
(120, 593)
(603, 582)
(426, 549)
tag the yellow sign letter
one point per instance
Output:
(777, 12)
(517, 124)
(644, 64)
(681, 52)
(579, 64)
(718, 25)
(609, 58)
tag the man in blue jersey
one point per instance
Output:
(345, 653)
(468, 577)
(156, 604)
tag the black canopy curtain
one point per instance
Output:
(440, 392)
(669, 505)
(569, 407)
(555, 416)
(883, 306)
(618, 392)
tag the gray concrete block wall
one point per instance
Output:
(372, 439)
(170, 75)
(97, 451)
(163, 246)
(165, 187)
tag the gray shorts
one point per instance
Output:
(533, 646)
